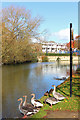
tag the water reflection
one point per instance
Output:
(19, 80)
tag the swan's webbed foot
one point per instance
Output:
(25, 116)
(51, 106)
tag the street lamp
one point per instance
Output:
(71, 38)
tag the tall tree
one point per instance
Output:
(18, 29)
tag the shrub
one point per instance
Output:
(44, 59)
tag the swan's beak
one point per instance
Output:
(24, 96)
(52, 85)
(18, 100)
(32, 94)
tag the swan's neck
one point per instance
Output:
(33, 97)
(54, 89)
(20, 104)
(25, 100)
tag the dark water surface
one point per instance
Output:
(24, 79)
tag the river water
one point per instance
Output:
(24, 79)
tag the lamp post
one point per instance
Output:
(71, 38)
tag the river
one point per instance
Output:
(24, 79)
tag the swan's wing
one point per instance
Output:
(28, 109)
(58, 94)
(49, 100)
(29, 105)
(52, 98)
(24, 107)
(37, 101)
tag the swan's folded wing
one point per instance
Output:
(27, 109)
(53, 99)
(24, 107)
(37, 101)
(59, 94)
(30, 105)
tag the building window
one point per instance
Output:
(52, 48)
(43, 48)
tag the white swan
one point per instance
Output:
(27, 104)
(35, 102)
(57, 95)
(26, 110)
(51, 101)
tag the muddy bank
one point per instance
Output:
(62, 114)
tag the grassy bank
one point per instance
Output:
(59, 54)
(68, 104)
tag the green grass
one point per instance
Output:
(59, 54)
(68, 104)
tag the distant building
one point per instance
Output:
(52, 47)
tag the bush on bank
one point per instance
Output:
(44, 59)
